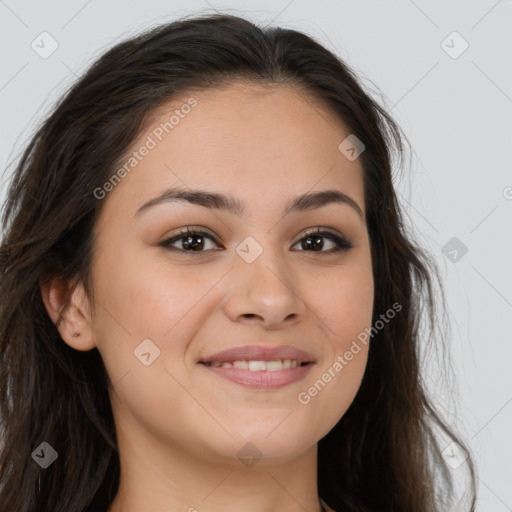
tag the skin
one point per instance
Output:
(179, 426)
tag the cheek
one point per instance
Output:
(141, 298)
(343, 300)
(143, 294)
(138, 301)
(344, 303)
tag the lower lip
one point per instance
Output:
(261, 379)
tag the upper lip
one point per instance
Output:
(259, 353)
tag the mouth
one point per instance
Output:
(260, 367)
(256, 366)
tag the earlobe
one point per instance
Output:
(68, 309)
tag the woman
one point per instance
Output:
(208, 298)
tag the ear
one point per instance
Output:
(69, 309)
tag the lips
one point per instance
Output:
(260, 367)
(259, 353)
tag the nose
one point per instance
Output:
(264, 292)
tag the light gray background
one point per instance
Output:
(457, 113)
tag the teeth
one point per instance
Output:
(274, 365)
(256, 366)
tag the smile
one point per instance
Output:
(262, 375)
(256, 366)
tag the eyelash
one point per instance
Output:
(342, 244)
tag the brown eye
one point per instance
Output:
(195, 241)
(190, 241)
(313, 242)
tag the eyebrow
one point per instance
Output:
(214, 200)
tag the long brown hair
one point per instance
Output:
(383, 454)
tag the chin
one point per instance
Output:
(258, 447)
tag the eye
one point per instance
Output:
(189, 239)
(312, 242)
(195, 241)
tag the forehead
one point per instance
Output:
(262, 143)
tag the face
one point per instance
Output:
(255, 278)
